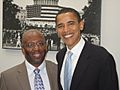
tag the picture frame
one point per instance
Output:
(41, 15)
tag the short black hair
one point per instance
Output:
(67, 9)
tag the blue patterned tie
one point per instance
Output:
(38, 83)
(68, 71)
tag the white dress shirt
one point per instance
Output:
(43, 73)
(76, 50)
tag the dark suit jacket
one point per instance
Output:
(95, 69)
(16, 78)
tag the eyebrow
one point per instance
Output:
(67, 22)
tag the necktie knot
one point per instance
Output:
(36, 71)
(69, 54)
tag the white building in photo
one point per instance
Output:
(42, 12)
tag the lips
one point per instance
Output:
(36, 55)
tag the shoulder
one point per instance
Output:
(61, 52)
(60, 55)
(96, 49)
(98, 53)
(12, 70)
(50, 64)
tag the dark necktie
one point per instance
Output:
(38, 83)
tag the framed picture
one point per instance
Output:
(20, 15)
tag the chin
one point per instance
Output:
(37, 63)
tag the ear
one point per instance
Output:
(46, 47)
(23, 51)
(81, 25)
(58, 33)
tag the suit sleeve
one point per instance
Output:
(108, 76)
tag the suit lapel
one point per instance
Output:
(23, 77)
(52, 75)
(80, 68)
(60, 59)
(49, 74)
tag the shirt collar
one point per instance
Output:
(31, 68)
(78, 47)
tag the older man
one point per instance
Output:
(35, 73)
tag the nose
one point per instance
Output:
(36, 47)
(65, 28)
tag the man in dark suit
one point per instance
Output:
(92, 67)
(22, 77)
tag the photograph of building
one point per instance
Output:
(41, 15)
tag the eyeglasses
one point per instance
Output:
(32, 44)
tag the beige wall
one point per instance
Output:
(110, 30)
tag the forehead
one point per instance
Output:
(66, 16)
(33, 36)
